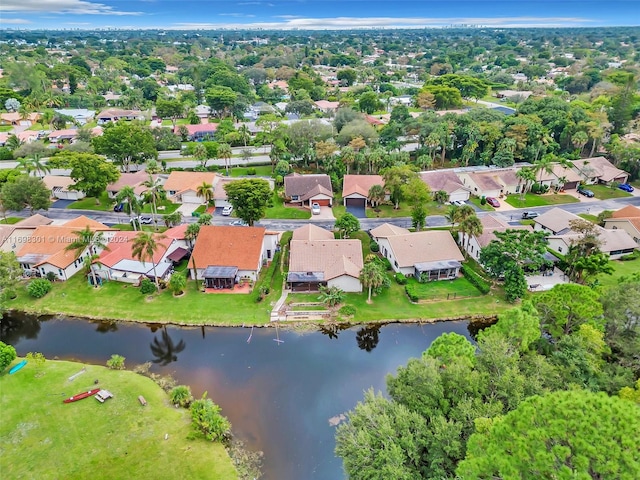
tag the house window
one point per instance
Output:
(560, 249)
(60, 271)
(395, 262)
(268, 253)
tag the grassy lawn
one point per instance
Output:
(478, 203)
(532, 200)
(261, 171)
(119, 301)
(591, 218)
(603, 192)
(169, 207)
(366, 241)
(338, 209)
(444, 289)
(10, 220)
(46, 439)
(620, 269)
(279, 210)
(6, 128)
(387, 211)
(89, 203)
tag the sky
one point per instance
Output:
(313, 14)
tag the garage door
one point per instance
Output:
(571, 185)
(462, 196)
(355, 202)
(322, 203)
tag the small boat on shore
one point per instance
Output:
(17, 367)
(80, 396)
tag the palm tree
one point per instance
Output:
(191, 233)
(145, 245)
(39, 166)
(470, 227)
(376, 195)
(132, 205)
(201, 154)
(205, 191)
(579, 140)
(244, 133)
(173, 219)
(527, 176)
(224, 152)
(154, 194)
(91, 241)
(371, 277)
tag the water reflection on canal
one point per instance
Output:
(279, 389)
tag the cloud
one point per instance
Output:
(15, 21)
(78, 7)
(236, 15)
(290, 22)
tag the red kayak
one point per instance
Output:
(80, 396)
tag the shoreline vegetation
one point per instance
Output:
(116, 439)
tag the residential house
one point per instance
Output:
(627, 219)
(181, 187)
(115, 114)
(81, 116)
(317, 259)
(327, 107)
(308, 189)
(13, 237)
(599, 170)
(118, 263)
(203, 112)
(134, 180)
(447, 181)
(220, 199)
(557, 222)
(355, 189)
(198, 133)
(514, 95)
(490, 225)
(45, 251)
(489, 182)
(431, 253)
(63, 136)
(257, 109)
(566, 178)
(223, 255)
(16, 118)
(62, 187)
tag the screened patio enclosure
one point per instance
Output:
(220, 277)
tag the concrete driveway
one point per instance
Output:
(325, 214)
(186, 209)
(358, 212)
(62, 203)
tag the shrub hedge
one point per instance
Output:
(476, 280)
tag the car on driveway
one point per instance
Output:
(239, 223)
(493, 202)
(530, 215)
(226, 211)
(586, 192)
(315, 208)
(458, 203)
(626, 187)
(119, 207)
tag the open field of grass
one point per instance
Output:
(119, 301)
(603, 192)
(532, 200)
(44, 438)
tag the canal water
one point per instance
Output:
(278, 388)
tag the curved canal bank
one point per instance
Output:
(283, 390)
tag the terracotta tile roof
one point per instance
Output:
(311, 232)
(317, 190)
(227, 246)
(82, 222)
(201, 127)
(177, 232)
(69, 132)
(598, 167)
(327, 105)
(388, 230)
(445, 180)
(424, 247)
(219, 192)
(360, 184)
(298, 185)
(629, 211)
(182, 181)
(34, 221)
(332, 257)
(121, 245)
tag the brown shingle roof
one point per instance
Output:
(311, 232)
(423, 247)
(298, 185)
(228, 247)
(556, 219)
(360, 184)
(181, 181)
(34, 221)
(485, 181)
(598, 167)
(445, 180)
(493, 224)
(128, 180)
(332, 257)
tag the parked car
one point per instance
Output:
(315, 208)
(530, 215)
(458, 203)
(239, 223)
(118, 207)
(626, 187)
(226, 211)
(143, 220)
(585, 191)
(493, 202)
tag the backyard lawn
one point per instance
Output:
(532, 200)
(620, 268)
(45, 438)
(443, 289)
(387, 211)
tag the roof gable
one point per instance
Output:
(181, 181)
(228, 246)
(331, 257)
(121, 245)
(426, 246)
(388, 230)
(360, 184)
(299, 185)
(311, 232)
